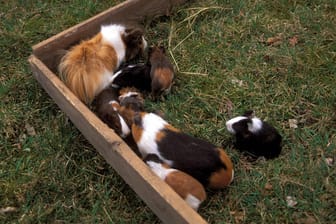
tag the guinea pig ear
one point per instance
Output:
(249, 114)
(162, 48)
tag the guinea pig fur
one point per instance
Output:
(131, 102)
(162, 71)
(210, 165)
(87, 68)
(183, 184)
(134, 75)
(105, 111)
(254, 136)
(131, 98)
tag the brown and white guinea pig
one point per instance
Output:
(210, 165)
(191, 190)
(134, 75)
(254, 136)
(107, 113)
(162, 71)
(88, 67)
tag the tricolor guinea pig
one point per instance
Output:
(183, 184)
(210, 165)
(134, 75)
(103, 107)
(162, 71)
(88, 67)
(254, 136)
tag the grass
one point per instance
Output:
(226, 64)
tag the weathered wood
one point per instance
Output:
(163, 201)
(131, 12)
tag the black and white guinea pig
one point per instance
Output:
(104, 109)
(162, 71)
(191, 190)
(210, 165)
(254, 136)
(134, 75)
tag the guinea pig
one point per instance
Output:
(210, 165)
(130, 102)
(87, 68)
(254, 136)
(134, 75)
(162, 71)
(183, 184)
(105, 111)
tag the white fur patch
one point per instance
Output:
(159, 170)
(151, 124)
(255, 126)
(232, 121)
(125, 130)
(114, 76)
(106, 79)
(128, 94)
(112, 35)
(144, 42)
(193, 201)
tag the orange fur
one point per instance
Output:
(171, 128)
(83, 66)
(184, 184)
(159, 136)
(222, 177)
(164, 77)
(137, 130)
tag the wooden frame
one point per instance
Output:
(163, 201)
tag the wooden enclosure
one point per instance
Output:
(162, 200)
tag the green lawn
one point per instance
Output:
(275, 57)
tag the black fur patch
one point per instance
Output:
(153, 157)
(266, 142)
(137, 76)
(194, 156)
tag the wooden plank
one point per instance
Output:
(163, 201)
(130, 12)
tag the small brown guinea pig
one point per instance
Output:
(182, 183)
(162, 71)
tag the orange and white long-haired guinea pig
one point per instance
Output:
(162, 71)
(191, 190)
(210, 165)
(88, 67)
